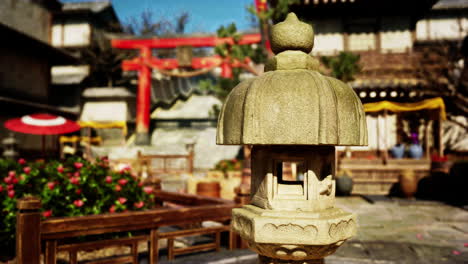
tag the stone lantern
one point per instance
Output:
(293, 116)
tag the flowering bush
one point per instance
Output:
(228, 165)
(72, 187)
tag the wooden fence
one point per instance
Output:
(32, 232)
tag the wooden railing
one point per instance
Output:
(53, 233)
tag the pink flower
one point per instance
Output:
(76, 174)
(60, 169)
(27, 170)
(7, 180)
(108, 179)
(11, 193)
(51, 185)
(22, 161)
(148, 189)
(122, 200)
(112, 209)
(118, 188)
(75, 180)
(78, 203)
(47, 213)
(456, 252)
(10, 187)
(78, 192)
(11, 174)
(78, 165)
(123, 181)
(140, 184)
(140, 204)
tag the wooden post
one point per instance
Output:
(28, 231)
(153, 246)
(143, 100)
(441, 135)
(385, 147)
(426, 139)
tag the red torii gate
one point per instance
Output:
(145, 61)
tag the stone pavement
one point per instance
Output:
(390, 231)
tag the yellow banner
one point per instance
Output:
(116, 124)
(428, 104)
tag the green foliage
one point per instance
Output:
(73, 187)
(228, 165)
(276, 13)
(344, 66)
(222, 86)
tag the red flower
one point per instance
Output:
(47, 213)
(140, 184)
(7, 180)
(140, 204)
(112, 209)
(78, 165)
(75, 180)
(11, 193)
(27, 170)
(14, 180)
(10, 187)
(118, 188)
(76, 174)
(148, 189)
(51, 185)
(60, 169)
(123, 181)
(122, 200)
(109, 179)
(11, 174)
(78, 191)
(78, 203)
(22, 161)
(1, 188)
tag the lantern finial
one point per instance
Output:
(292, 34)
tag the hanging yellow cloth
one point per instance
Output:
(428, 104)
(115, 124)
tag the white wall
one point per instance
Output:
(328, 37)
(441, 28)
(71, 34)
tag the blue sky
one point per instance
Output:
(205, 15)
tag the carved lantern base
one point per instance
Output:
(305, 236)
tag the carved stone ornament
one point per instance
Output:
(293, 116)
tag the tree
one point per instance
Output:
(344, 66)
(145, 25)
(222, 86)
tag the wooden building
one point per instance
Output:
(82, 28)
(26, 58)
(392, 38)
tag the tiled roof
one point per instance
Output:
(450, 4)
(94, 6)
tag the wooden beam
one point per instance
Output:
(158, 43)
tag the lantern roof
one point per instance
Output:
(292, 103)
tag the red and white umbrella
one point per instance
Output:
(42, 124)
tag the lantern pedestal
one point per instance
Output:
(303, 235)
